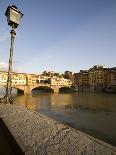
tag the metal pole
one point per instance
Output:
(8, 98)
(9, 80)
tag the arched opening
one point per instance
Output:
(17, 91)
(42, 89)
(65, 89)
(2, 91)
(14, 91)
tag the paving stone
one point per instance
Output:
(7, 109)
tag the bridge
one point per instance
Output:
(27, 82)
(27, 89)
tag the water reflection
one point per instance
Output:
(27, 101)
(64, 101)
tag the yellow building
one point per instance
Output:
(17, 78)
(32, 79)
(3, 78)
(98, 76)
(60, 81)
(81, 79)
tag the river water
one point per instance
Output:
(92, 113)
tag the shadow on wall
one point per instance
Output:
(8, 145)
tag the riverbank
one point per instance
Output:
(97, 89)
(38, 134)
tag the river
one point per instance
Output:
(92, 113)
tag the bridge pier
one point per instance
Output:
(56, 89)
(27, 90)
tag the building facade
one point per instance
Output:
(96, 78)
(111, 76)
(81, 79)
(17, 78)
(60, 81)
(32, 79)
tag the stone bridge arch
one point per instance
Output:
(47, 88)
(27, 89)
(20, 89)
(64, 88)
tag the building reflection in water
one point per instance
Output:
(62, 100)
(28, 101)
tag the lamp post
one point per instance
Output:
(13, 18)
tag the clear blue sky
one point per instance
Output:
(60, 35)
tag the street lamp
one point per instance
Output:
(13, 18)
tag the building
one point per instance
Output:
(81, 79)
(101, 77)
(33, 79)
(68, 75)
(111, 77)
(60, 81)
(98, 77)
(17, 78)
(75, 80)
(50, 73)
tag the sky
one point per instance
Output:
(60, 35)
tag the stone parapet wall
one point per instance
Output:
(37, 134)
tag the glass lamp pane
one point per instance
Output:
(8, 16)
(15, 16)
